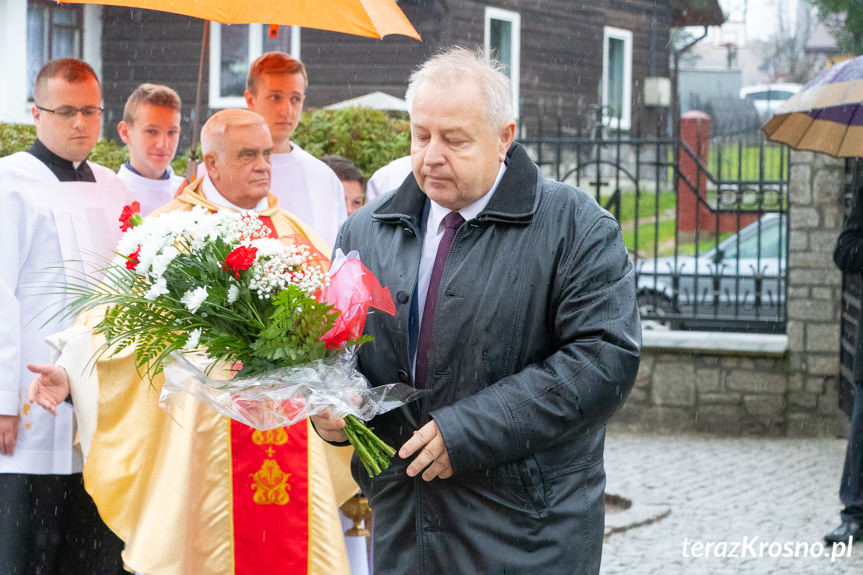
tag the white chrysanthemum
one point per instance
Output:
(193, 298)
(159, 287)
(161, 261)
(233, 293)
(192, 340)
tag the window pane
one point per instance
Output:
(234, 63)
(37, 43)
(500, 44)
(616, 48)
(65, 16)
(281, 43)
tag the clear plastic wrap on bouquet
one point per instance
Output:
(282, 396)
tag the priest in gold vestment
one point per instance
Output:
(202, 494)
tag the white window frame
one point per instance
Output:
(514, 18)
(216, 100)
(15, 107)
(625, 120)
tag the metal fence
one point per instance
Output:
(705, 219)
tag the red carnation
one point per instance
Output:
(240, 259)
(131, 216)
(133, 259)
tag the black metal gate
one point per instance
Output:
(705, 219)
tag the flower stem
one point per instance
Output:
(373, 452)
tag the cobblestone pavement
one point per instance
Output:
(730, 490)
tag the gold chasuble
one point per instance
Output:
(202, 494)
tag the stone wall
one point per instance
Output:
(751, 384)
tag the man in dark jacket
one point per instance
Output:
(517, 311)
(848, 256)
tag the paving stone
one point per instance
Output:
(724, 490)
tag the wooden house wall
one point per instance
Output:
(147, 46)
(561, 55)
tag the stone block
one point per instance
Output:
(832, 217)
(708, 380)
(673, 384)
(705, 399)
(822, 337)
(823, 364)
(800, 185)
(737, 362)
(638, 395)
(804, 218)
(819, 293)
(645, 370)
(815, 385)
(796, 382)
(803, 399)
(662, 420)
(800, 292)
(798, 241)
(756, 382)
(766, 406)
(796, 331)
(824, 241)
(725, 419)
(827, 183)
(818, 310)
(820, 276)
(807, 424)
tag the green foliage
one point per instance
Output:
(110, 154)
(848, 33)
(15, 138)
(369, 138)
(19, 137)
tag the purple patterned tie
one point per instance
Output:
(452, 221)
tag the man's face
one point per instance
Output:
(279, 100)
(242, 174)
(455, 155)
(71, 138)
(152, 139)
(353, 195)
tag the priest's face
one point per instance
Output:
(152, 138)
(72, 137)
(241, 171)
(279, 99)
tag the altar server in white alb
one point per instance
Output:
(151, 129)
(305, 186)
(59, 209)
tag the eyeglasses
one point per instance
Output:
(69, 112)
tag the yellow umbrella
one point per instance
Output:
(826, 115)
(370, 18)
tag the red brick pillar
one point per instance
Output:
(692, 182)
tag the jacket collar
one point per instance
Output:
(515, 199)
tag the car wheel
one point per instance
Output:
(656, 311)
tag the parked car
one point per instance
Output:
(738, 285)
(768, 97)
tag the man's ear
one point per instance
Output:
(210, 163)
(507, 135)
(123, 130)
(250, 100)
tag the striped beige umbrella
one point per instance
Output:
(826, 115)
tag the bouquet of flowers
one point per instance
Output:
(195, 290)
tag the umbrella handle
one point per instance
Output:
(192, 165)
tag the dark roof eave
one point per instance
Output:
(696, 13)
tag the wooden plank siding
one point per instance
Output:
(561, 55)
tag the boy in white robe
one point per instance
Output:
(306, 187)
(151, 129)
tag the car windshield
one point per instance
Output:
(749, 245)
